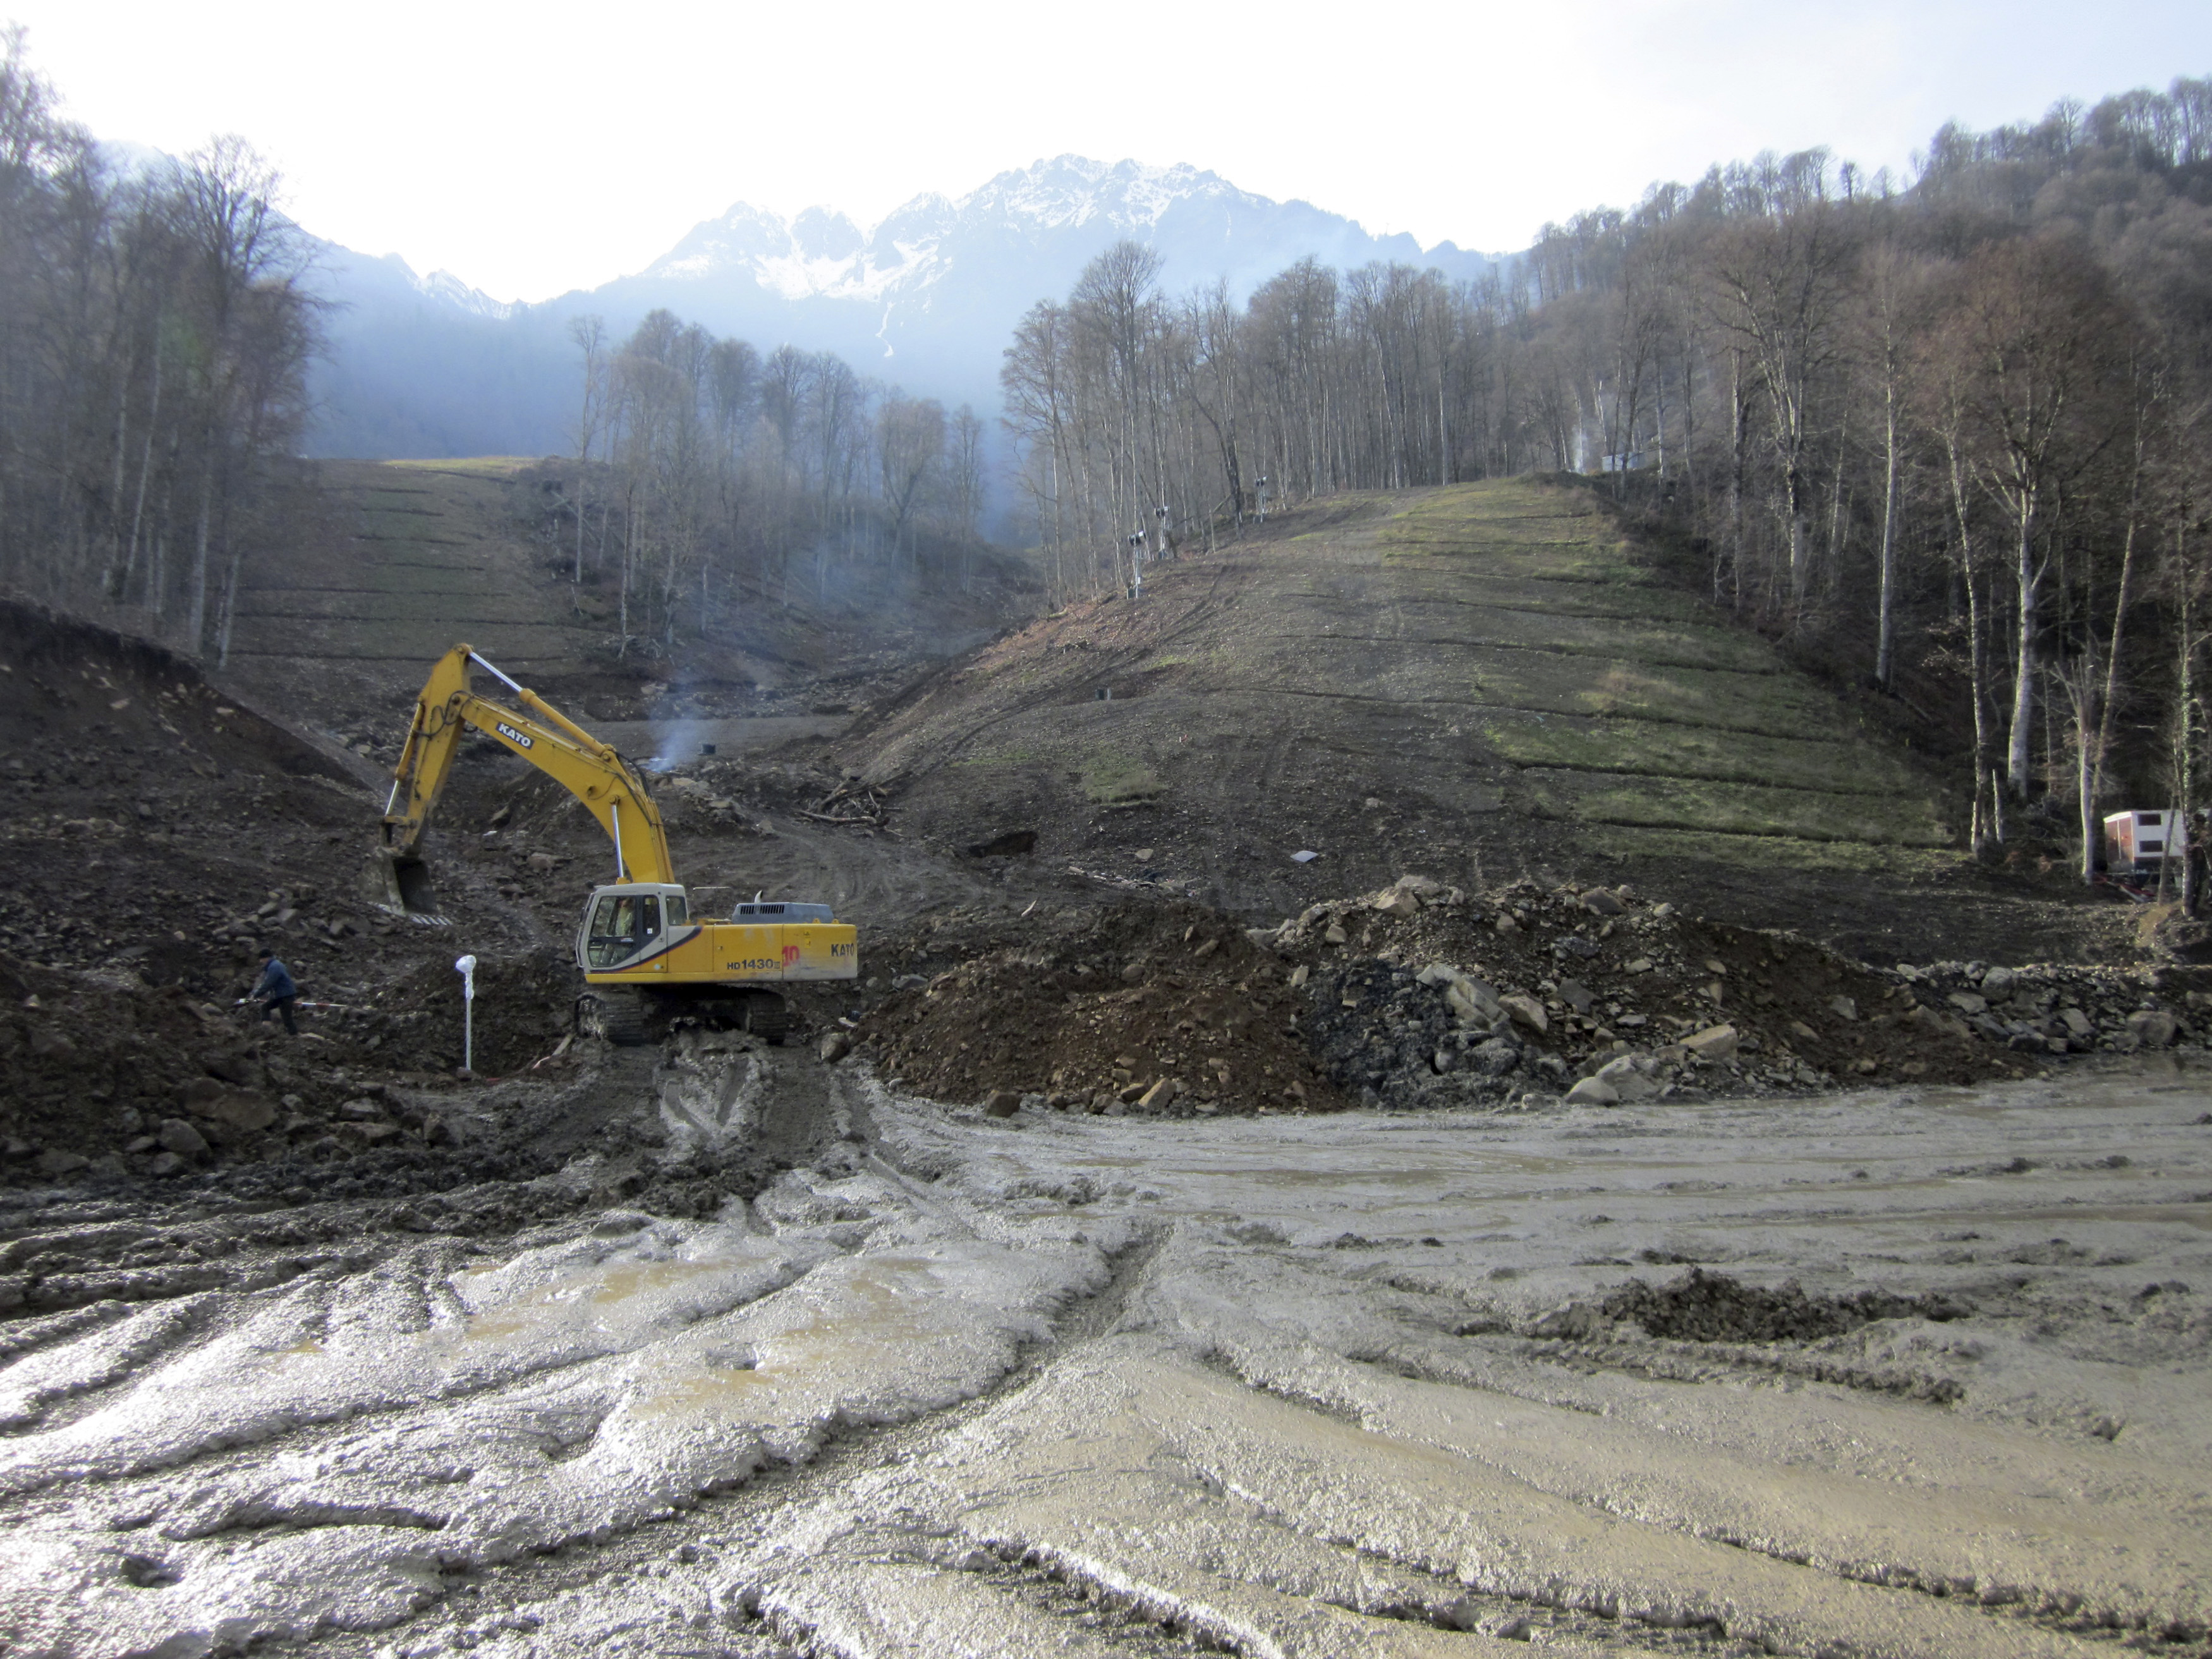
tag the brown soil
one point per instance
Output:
(1092, 1009)
(1321, 685)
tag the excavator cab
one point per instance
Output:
(626, 927)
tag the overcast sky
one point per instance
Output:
(534, 148)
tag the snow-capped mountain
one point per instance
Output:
(1023, 236)
(928, 299)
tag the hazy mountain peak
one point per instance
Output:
(444, 285)
(1076, 202)
(1073, 189)
(936, 288)
(820, 232)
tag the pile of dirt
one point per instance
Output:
(1703, 1307)
(1429, 995)
(1424, 996)
(95, 1062)
(1136, 1008)
(525, 1005)
(170, 829)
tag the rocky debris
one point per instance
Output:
(2053, 1009)
(1098, 1009)
(524, 1004)
(1714, 1042)
(1522, 991)
(175, 1135)
(91, 1058)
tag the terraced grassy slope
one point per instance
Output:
(1627, 704)
(1471, 681)
(399, 560)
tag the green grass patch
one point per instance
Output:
(1731, 809)
(1515, 527)
(1649, 749)
(1759, 703)
(470, 465)
(1776, 853)
(1111, 777)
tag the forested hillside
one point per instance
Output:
(709, 476)
(1947, 434)
(154, 340)
(156, 327)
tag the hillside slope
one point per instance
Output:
(394, 563)
(1476, 682)
(388, 564)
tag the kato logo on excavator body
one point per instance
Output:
(520, 740)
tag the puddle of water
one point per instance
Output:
(597, 1293)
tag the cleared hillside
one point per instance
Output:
(394, 561)
(389, 564)
(1477, 682)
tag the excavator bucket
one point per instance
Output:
(399, 882)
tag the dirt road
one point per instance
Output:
(1925, 1378)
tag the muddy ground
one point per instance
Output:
(1923, 1378)
(1127, 1132)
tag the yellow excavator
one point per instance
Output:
(645, 957)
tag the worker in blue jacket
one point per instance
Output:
(275, 990)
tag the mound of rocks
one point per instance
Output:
(1427, 995)
(2057, 1009)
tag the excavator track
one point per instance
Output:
(615, 1012)
(768, 1016)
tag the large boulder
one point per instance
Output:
(2154, 1028)
(1714, 1042)
(175, 1135)
(1526, 1010)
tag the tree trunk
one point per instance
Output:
(2187, 804)
(2120, 598)
(196, 620)
(1977, 683)
(1884, 667)
(145, 468)
(2023, 692)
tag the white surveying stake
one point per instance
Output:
(466, 968)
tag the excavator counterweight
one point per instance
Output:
(643, 955)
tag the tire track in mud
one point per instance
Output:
(1167, 1471)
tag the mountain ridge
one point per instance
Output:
(928, 297)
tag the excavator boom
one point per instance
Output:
(608, 785)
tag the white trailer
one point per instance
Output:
(2137, 843)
